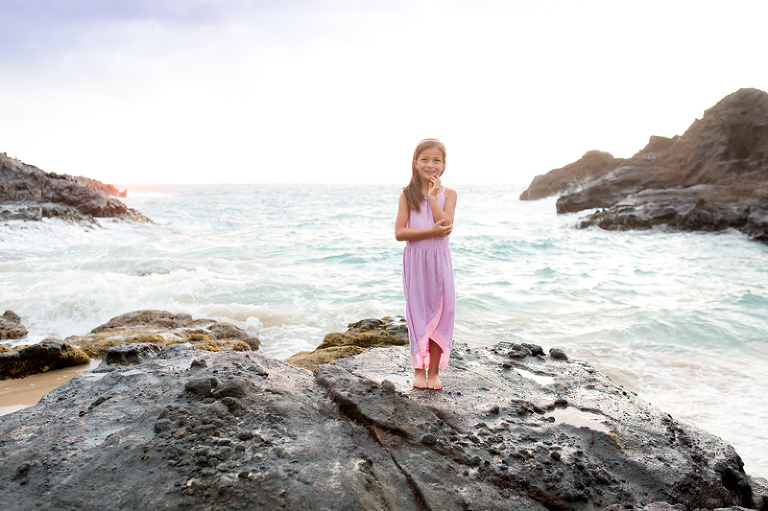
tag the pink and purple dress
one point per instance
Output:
(430, 298)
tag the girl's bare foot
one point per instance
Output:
(420, 379)
(433, 378)
(434, 382)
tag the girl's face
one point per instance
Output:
(430, 162)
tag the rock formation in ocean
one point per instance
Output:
(713, 177)
(513, 429)
(28, 193)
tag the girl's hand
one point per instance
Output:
(435, 187)
(442, 228)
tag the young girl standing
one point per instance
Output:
(425, 221)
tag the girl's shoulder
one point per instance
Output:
(449, 192)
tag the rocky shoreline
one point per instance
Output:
(713, 177)
(163, 424)
(128, 337)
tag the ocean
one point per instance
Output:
(677, 317)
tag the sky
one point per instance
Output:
(341, 91)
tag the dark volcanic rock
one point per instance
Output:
(230, 430)
(28, 193)
(713, 177)
(40, 358)
(11, 327)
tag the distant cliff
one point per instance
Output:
(713, 177)
(28, 193)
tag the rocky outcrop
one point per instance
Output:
(592, 165)
(189, 429)
(28, 193)
(162, 328)
(11, 327)
(359, 337)
(40, 358)
(126, 340)
(714, 176)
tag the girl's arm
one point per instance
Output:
(441, 228)
(446, 213)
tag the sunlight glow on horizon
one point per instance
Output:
(340, 92)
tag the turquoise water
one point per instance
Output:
(678, 318)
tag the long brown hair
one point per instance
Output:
(412, 192)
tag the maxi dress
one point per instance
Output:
(430, 297)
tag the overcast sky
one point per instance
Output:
(315, 91)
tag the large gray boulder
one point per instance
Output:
(513, 429)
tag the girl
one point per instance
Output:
(424, 221)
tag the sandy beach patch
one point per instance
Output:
(23, 392)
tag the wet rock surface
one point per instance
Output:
(190, 429)
(713, 177)
(29, 193)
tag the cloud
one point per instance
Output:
(195, 13)
(341, 91)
